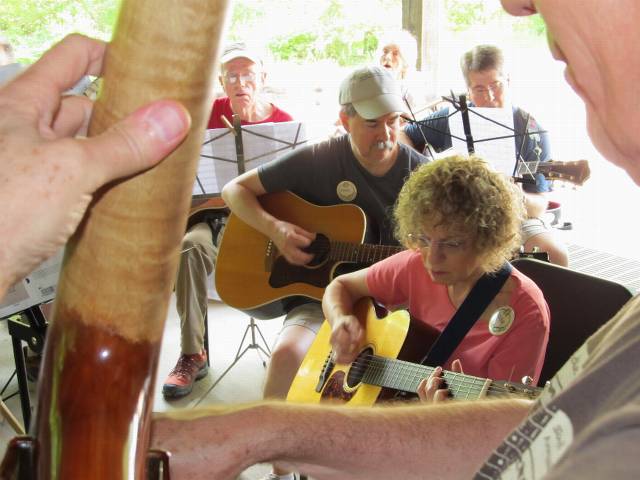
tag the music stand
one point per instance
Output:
(252, 332)
(462, 108)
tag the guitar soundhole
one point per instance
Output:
(334, 391)
(358, 367)
(320, 250)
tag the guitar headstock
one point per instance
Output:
(576, 171)
(513, 389)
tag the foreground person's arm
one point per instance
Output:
(444, 441)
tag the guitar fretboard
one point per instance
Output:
(361, 253)
(406, 376)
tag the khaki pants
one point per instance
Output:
(198, 256)
(197, 261)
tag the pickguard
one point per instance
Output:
(333, 391)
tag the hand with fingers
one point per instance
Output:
(347, 333)
(434, 387)
(48, 171)
(291, 241)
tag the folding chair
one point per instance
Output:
(579, 305)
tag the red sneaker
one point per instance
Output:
(189, 369)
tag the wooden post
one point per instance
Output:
(424, 19)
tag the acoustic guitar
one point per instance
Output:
(251, 274)
(384, 366)
(576, 171)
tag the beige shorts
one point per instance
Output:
(308, 315)
(532, 227)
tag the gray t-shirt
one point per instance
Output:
(586, 424)
(328, 173)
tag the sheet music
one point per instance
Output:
(501, 154)
(36, 288)
(261, 143)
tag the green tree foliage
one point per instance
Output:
(334, 36)
(33, 25)
(345, 31)
(465, 14)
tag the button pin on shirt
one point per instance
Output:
(501, 320)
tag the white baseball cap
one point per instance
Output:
(239, 50)
(372, 91)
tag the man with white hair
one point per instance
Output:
(398, 53)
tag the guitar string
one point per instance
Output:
(459, 381)
(366, 252)
(354, 251)
(413, 376)
(376, 364)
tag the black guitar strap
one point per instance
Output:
(478, 299)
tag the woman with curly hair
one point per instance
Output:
(459, 220)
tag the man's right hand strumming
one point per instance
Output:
(291, 241)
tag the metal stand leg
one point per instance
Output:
(30, 327)
(253, 328)
(21, 372)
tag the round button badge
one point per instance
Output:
(501, 320)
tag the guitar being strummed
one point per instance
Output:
(386, 364)
(254, 276)
(459, 221)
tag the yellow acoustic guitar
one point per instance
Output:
(251, 274)
(383, 368)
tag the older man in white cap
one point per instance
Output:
(242, 77)
(366, 167)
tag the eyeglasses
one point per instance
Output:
(495, 88)
(244, 78)
(421, 241)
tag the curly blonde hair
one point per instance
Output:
(466, 196)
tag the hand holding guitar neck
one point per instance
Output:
(434, 388)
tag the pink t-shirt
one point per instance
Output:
(222, 106)
(401, 280)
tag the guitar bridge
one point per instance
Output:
(269, 256)
(327, 368)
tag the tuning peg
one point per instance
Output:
(527, 380)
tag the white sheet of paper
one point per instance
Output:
(261, 143)
(36, 288)
(501, 154)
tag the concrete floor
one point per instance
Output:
(242, 384)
